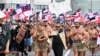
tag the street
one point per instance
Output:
(88, 53)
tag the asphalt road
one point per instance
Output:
(88, 53)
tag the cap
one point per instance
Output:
(57, 24)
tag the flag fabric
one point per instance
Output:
(79, 9)
(7, 15)
(18, 13)
(49, 19)
(27, 14)
(24, 7)
(20, 5)
(45, 14)
(96, 13)
(23, 12)
(97, 20)
(91, 16)
(76, 15)
(10, 11)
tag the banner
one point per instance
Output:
(61, 7)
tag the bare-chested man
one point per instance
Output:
(80, 38)
(93, 37)
(48, 29)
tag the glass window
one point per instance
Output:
(86, 5)
(59, 0)
(46, 6)
(37, 6)
(13, 6)
(40, 6)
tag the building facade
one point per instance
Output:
(13, 3)
(85, 5)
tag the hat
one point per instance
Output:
(2, 15)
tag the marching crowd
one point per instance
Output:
(42, 36)
(78, 36)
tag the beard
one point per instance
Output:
(77, 27)
(1, 24)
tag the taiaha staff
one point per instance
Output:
(69, 26)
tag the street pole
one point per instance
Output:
(51, 1)
(91, 6)
(72, 6)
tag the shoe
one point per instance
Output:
(26, 53)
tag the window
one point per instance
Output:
(60, 0)
(40, 6)
(2, 6)
(13, 6)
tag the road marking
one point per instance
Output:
(67, 53)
